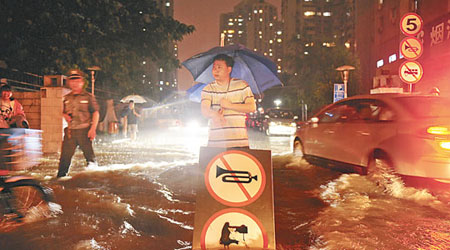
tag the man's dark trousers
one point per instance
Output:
(72, 139)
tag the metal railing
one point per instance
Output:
(24, 81)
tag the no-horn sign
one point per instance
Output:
(411, 48)
(235, 178)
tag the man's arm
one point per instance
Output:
(93, 130)
(216, 116)
(18, 109)
(136, 113)
(207, 111)
(247, 107)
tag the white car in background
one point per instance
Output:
(279, 121)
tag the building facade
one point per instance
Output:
(330, 21)
(378, 37)
(254, 24)
(160, 79)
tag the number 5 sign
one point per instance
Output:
(411, 24)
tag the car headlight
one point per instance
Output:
(193, 124)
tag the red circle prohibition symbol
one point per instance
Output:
(413, 24)
(414, 79)
(233, 210)
(250, 197)
(414, 52)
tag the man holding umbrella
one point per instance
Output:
(225, 101)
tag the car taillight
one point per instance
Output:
(441, 134)
(438, 130)
(445, 145)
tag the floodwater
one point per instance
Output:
(142, 196)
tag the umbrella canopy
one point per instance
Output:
(135, 98)
(195, 92)
(257, 70)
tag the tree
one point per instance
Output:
(52, 36)
(314, 66)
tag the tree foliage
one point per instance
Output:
(52, 36)
(314, 73)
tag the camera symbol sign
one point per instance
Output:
(234, 227)
(235, 178)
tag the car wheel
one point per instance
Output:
(381, 170)
(298, 148)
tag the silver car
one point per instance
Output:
(406, 134)
(279, 122)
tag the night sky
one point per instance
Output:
(204, 15)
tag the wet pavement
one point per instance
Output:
(142, 196)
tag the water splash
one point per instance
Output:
(163, 214)
(127, 228)
(91, 244)
(184, 244)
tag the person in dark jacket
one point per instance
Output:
(225, 239)
(132, 119)
(81, 111)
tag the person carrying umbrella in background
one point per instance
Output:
(225, 101)
(132, 116)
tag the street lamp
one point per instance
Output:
(93, 69)
(345, 71)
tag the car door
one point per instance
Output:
(320, 137)
(359, 135)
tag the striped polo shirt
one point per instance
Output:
(234, 132)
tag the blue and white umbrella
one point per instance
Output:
(194, 93)
(257, 70)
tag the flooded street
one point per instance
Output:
(142, 196)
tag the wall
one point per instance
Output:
(51, 118)
(31, 102)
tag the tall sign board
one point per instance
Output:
(234, 207)
(339, 92)
(411, 48)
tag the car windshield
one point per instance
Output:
(278, 113)
(426, 106)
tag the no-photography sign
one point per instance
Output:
(234, 205)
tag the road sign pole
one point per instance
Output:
(345, 88)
